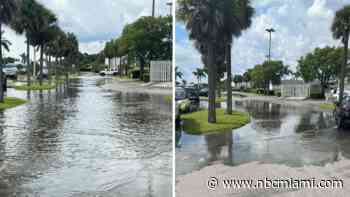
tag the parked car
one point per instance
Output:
(203, 92)
(10, 70)
(342, 113)
(192, 94)
(180, 100)
(45, 73)
(187, 100)
(180, 93)
(109, 72)
(336, 94)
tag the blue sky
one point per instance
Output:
(93, 21)
(301, 26)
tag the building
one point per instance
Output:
(300, 89)
(295, 88)
(161, 71)
(116, 62)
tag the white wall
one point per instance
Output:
(161, 71)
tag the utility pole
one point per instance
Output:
(153, 8)
(170, 4)
(270, 31)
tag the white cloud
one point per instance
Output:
(319, 9)
(92, 47)
(301, 26)
(93, 21)
(187, 59)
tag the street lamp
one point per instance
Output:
(153, 7)
(270, 31)
(170, 4)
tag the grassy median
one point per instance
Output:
(36, 86)
(168, 98)
(327, 106)
(197, 123)
(10, 102)
(217, 100)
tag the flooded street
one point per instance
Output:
(278, 134)
(86, 141)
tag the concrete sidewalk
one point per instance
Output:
(135, 86)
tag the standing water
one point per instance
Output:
(277, 134)
(86, 141)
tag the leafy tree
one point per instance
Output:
(147, 39)
(274, 71)
(257, 76)
(341, 30)
(7, 10)
(322, 65)
(247, 76)
(269, 71)
(237, 79)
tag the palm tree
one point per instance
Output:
(23, 58)
(199, 73)
(58, 50)
(237, 17)
(109, 52)
(178, 73)
(52, 50)
(341, 30)
(7, 10)
(43, 33)
(203, 20)
(71, 51)
(5, 43)
(25, 22)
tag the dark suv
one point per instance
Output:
(342, 113)
(192, 94)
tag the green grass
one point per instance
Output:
(168, 98)
(36, 86)
(327, 106)
(184, 106)
(217, 100)
(124, 77)
(197, 123)
(10, 102)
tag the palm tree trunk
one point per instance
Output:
(120, 66)
(343, 68)
(34, 62)
(41, 65)
(212, 85)
(228, 80)
(55, 68)
(28, 63)
(67, 71)
(1, 67)
(49, 69)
